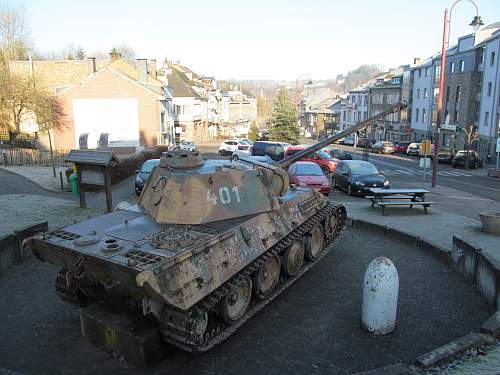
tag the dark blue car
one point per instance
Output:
(143, 174)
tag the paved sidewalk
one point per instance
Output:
(21, 210)
(42, 176)
(440, 224)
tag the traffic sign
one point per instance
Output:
(498, 144)
(425, 147)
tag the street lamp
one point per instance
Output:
(297, 87)
(476, 24)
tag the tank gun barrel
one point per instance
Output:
(285, 163)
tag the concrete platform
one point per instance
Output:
(138, 342)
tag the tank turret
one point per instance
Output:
(185, 189)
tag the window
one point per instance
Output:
(424, 117)
(434, 117)
(456, 116)
(458, 94)
(377, 99)
(462, 66)
(425, 93)
(481, 55)
(447, 94)
(492, 58)
(427, 72)
(392, 98)
(452, 67)
(419, 73)
(416, 115)
(489, 89)
(486, 118)
(359, 115)
(418, 93)
(437, 72)
(435, 93)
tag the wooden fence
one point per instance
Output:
(30, 157)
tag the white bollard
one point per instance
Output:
(380, 296)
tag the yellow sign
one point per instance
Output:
(425, 147)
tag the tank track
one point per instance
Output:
(177, 327)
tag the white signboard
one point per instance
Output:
(498, 144)
(118, 117)
(425, 162)
(449, 127)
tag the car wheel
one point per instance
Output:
(235, 157)
(349, 189)
(325, 169)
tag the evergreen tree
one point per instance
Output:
(80, 53)
(284, 120)
(253, 134)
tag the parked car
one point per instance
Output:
(413, 149)
(348, 141)
(322, 158)
(187, 145)
(143, 174)
(229, 146)
(309, 174)
(337, 153)
(358, 177)
(243, 149)
(364, 142)
(459, 159)
(262, 159)
(275, 150)
(383, 147)
(445, 155)
(401, 146)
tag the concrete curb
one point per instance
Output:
(11, 251)
(34, 181)
(470, 262)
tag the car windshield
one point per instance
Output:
(148, 166)
(462, 153)
(245, 142)
(362, 168)
(308, 170)
(323, 154)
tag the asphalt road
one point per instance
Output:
(313, 327)
(401, 169)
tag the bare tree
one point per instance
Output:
(126, 51)
(471, 136)
(13, 34)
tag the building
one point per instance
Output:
(238, 111)
(383, 95)
(120, 105)
(323, 118)
(314, 104)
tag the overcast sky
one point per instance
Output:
(256, 39)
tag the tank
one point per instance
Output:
(209, 244)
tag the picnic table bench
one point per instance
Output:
(399, 197)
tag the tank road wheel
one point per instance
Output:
(234, 305)
(266, 278)
(331, 226)
(293, 258)
(199, 325)
(315, 243)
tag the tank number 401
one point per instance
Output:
(226, 195)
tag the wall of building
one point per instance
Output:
(107, 84)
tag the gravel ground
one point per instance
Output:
(313, 327)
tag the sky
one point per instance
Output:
(255, 39)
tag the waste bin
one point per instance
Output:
(73, 182)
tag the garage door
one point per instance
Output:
(118, 117)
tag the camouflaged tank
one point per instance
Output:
(209, 244)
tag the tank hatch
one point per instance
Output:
(185, 189)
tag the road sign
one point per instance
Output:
(425, 162)
(498, 144)
(425, 147)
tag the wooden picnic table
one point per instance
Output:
(399, 197)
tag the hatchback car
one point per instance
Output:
(401, 146)
(413, 149)
(143, 174)
(187, 145)
(459, 160)
(243, 149)
(229, 146)
(337, 153)
(383, 147)
(322, 158)
(309, 174)
(445, 155)
(358, 177)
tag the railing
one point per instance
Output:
(30, 157)
(17, 139)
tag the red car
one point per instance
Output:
(322, 158)
(310, 175)
(401, 146)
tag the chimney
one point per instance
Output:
(91, 67)
(153, 68)
(142, 69)
(113, 56)
(416, 60)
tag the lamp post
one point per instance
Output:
(297, 87)
(476, 24)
